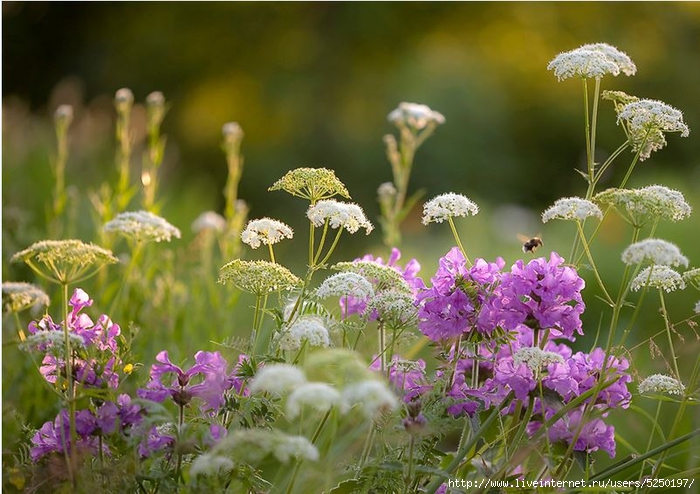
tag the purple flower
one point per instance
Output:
(407, 376)
(594, 435)
(156, 440)
(130, 413)
(53, 437)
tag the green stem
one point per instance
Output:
(457, 239)
(409, 474)
(587, 249)
(667, 323)
(71, 387)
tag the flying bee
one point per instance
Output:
(530, 244)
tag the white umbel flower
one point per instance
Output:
(536, 358)
(374, 397)
(415, 116)
(319, 396)
(265, 231)
(307, 330)
(339, 215)
(19, 296)
(211, 464)
(660, 383)
(277, 379)
(142, 226)
(444, 206)
(697, 307)
(571, 208)
(661, 277)
(346, 285)
(655, 201)
(209, 220)
(648, 113)
(297, 447)
(591, 61)
(654, 251)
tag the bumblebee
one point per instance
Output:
(531, 244)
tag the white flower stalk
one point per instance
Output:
(211, 464)
(277, 379)
(265, 231)
(209, 220)
(19, 296)
(659, 383)
(306, 330)
(653, 201)
(319, 396)
(415, 116)
(449, 205)
(373, 397)
(571, 208)
(647, 121)
(339, 215)
(654, 251)
(661, 277)
(142, 226)
(536, 358)
(345, 285)
(591, 61)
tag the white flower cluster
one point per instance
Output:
(209, 220)
(339, 215)
(647, 121)
(592, 61)
(51, 340)
(373, 397)
(660, 383)
(142, 226)
(319, 396)
(19, 296)
(383, 276)
(446, 206)
(346, 285)
(254, 444)
(536, 358)
(277, 379)
(692, 277)
(661, 277)
(655, 251)
(571, 208)
(297, 447)
(393, 306)
(265, 231)
(697, 307)
(211, 464)
(655, 201)
(415, 116)
(307, 329)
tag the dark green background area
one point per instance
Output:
(311, 84)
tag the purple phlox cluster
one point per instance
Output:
(595, 434)
(542, 295)
(206, 379)
(109, 418)
(351, 305)
(459, 299)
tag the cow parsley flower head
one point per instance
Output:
(661, 277)
(339, 215)
(295, 447)
(396, 307)
(258, 277)
(211, 464)
(307, 330)
(692, 277)
(571, 208)
(654, 251)
(265, 231)
(142, 226)
(697, 307)
(254, 444)
(383, 276)
(415, 116)
(373, 397)
(591, 61)
(277, 379)
(345, 285)
(446, 206)
(660, 383)
(209, 220)
(647, 121)
(319, 396)
(313, 184)
(536, 358)
(650, 202)
(19, 296)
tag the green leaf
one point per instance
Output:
(346, 487)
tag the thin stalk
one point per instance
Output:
(457, 239)
(331, 248)
(71, 387)
(667, 323)
(409, 474)
(382, 346)
(587, 249)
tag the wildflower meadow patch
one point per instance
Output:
(359, 375)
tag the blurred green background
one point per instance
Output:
(311, 85)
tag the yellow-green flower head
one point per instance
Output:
(654, 251)
(313, 184)
(415, 116)
(339, 215)
(265, 231)
(592, 61)
(571, 208)
(19, 296)
(647, 121)
(258, 277)
(142, 226)
(449, 205)
(660, 277)
(65, 261)
(619, 98)
(653, 201)
(383, 276)
(660, 383)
